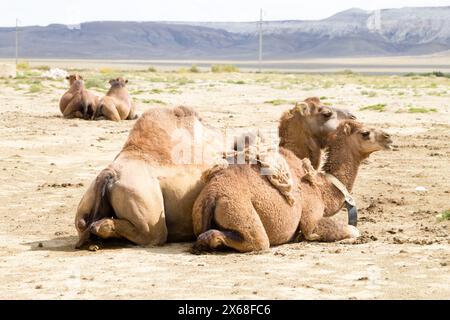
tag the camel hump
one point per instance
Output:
(182, 112)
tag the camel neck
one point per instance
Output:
(302, 144)
(343, 164)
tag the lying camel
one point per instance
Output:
(146, 194)
(77, 102)
(116, 105)
(239, 208)
(149, 187)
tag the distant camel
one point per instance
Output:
(77, 102)
(117, 104)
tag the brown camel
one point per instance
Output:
(147, 175)
(146, 194)
(239, 208)
(117, 104)
(77, 102)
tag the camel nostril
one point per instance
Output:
(386, 135)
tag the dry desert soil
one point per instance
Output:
(47, 162)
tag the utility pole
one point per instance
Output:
(260, 39)
(17, 43)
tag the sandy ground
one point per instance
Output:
(47, 162)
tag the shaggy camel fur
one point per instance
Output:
(77, 102)
(117, 104)
(146, 194)
(238, 207)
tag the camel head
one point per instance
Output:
(363, 139)
(74, 78)
(342, 114)
(318, 120)
(118, 82)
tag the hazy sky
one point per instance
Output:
(43, 12)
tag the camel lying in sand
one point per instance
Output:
(144, 186)
(146, 194)
(239, 208)
(117, 104)
(77, 102)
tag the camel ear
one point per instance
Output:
(302, 108)
(347, 129)
(111, 81)
(81, 78)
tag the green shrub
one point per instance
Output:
(421, 110)
(43, 68)
(35, 88)
(278, 102)
(94, 83)
(151, 69)
(194, 69)
(218, 68)
(380, 107)
(156, 101)
(23, 65)
(444, 215)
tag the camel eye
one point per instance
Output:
(327, 114)
(365, 134)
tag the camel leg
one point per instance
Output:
(311, 215)
(139, 207)
(110, 112)
(120, 228)
(242, 228)
(72, 110)
(132, 115)
(330, 230)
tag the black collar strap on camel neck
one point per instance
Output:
(350, 203)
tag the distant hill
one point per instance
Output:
(351, 33)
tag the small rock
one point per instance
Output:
(363, 279)
(421, 189)
(39, 286)
(40, 245)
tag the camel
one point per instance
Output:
(145, 186)
(117, 104)
(239, 209)
(77, 102)
(146, 194)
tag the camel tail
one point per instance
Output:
(85, 104)
(103, 183)
(208, 209)
(98, 111)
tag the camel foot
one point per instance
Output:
(103, 228)
(313, 237)
(352, 231)
(84, 238)
(208, 240)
